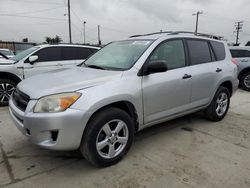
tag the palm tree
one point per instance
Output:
(55, 40)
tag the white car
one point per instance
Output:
(36, 60)
(8, 53)
(242, 56)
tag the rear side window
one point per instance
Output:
(219, 50)
(49, 54)
(74, 53)
(199, 52)
(240, 53)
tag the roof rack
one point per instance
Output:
(181, 32)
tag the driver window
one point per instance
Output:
(49, 54)
(172, 52)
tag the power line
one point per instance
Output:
(32, 12)
(32, 17)
(37, 2)
(116, 30)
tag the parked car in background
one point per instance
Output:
(36, 60)
(242, 57)
(2, 56)
(123, 88)
(8, 53)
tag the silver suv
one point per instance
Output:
(242, 56)
(123, 88)
(36, 60)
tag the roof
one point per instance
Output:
(240, 47)
(68, 45)
(5, 49)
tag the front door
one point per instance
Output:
(48, 59)
(167, 93)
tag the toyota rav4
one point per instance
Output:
(123, 88)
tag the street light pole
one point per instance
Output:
(84, 36)
(197, 20)
(70, 39)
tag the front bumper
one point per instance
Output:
(56, 131)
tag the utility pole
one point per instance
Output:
(197, 20)
(238, 27)
(99, 36)
(70, 39)
(84, 37)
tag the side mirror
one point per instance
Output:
(155, 67)
(32, 59)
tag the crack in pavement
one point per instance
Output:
(236, 144)
(7, 163)
(44, 156)
(39, 173)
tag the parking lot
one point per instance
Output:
(187, 152)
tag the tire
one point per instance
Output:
(245, 81)
(97, 131)
(219, 106)
(6, 88)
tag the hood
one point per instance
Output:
(68, 80)
(4, 61)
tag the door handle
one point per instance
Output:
(218, 70)
(31, 67)
(59, 64)
(244, 60)
(186, 76)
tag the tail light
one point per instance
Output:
(234, 61)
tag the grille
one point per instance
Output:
(20, 99)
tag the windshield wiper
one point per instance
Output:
(95, 67)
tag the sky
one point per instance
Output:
(119, 19)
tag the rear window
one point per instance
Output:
(240, 53)
(219, 50)
(75, 53)
(199, 51)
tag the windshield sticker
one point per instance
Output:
(140, 42)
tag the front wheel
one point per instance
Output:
(6, 88)
(218, 108)
(108, 137)
(245, 81)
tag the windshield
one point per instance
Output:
(23, 54)
(6, 52)
(120, 55)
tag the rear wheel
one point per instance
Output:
(108, 137)
(6, 88)
(218, 108)
(245, 81)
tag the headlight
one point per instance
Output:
(56, 103)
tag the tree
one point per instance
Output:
(55, 40)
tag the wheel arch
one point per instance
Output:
(242, 72)
(124, 105)
(228, 84)
(10, 76)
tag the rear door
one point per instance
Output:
(49, 59)
(204, 78)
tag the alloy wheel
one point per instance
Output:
(112, 139)
(247, 81)
(221, 104)
(6, 90)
